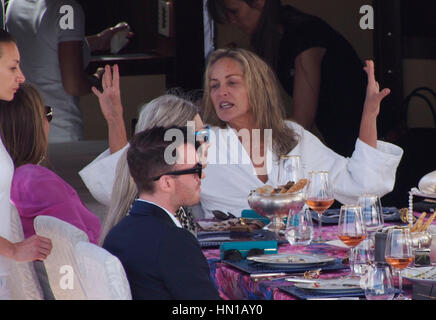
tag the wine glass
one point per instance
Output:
(290, 169)
(372, 214)
(351, 230)
(378, 282)
(299, 227)
(319, 196)
(398, 252)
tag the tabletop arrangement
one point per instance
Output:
(363, 251)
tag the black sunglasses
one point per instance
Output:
(197, 169)
(236, 255)
(49, 113)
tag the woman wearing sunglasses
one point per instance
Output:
(36, 190)
(99, 176)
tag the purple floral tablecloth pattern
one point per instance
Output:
(234, 284)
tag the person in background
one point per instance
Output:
(55, 52)
(315, 65)
(35, 247)
(241, 93)
(162, 260)
(100, 175)
(36, 190)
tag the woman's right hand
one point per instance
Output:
(32, 248)
(110, 98)
(111, 107)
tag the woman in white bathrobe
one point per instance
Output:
(35, 247)
(241, 93)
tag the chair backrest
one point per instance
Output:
(61, 265)
(103, 276)
(23, 282)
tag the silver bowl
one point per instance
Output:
(421, 240)
(276, 205)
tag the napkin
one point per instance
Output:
(306, 294)
(331, 216)
(119, 39)
(254, 268)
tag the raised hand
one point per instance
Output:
(111, 107)
(110, 98)
(371, 108)
(33, 248)
(373, 94)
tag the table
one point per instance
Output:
(234, 284)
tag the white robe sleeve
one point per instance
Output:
(368, 170)
(99, 175)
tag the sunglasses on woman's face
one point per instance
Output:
(197, 169)
(49, 113)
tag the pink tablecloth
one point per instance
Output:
(234, 284)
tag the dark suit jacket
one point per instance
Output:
(161, 260)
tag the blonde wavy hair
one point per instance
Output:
(263, 95)
(165, 111)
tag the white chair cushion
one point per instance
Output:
(23, 282)
(61, 265)
(103, 276)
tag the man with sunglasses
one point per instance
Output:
(162, 260)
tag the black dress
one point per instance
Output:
(343, 80)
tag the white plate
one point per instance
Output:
(424, 275)
(292, 259)
(333, 286)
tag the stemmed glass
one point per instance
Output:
(398, 252)
(372, 214)
(351, 230)
(290, 169)
(319, 196)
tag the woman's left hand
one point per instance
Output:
(373, 94)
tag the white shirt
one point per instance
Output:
(37, 27)
(6, 173)
(99, 175)
(177, 222)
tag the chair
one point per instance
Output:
(61, 265)
(23, 281)
(103, 276)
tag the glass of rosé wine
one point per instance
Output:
(351, 230)
(319, 196)
(398, 253)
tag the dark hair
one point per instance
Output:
(21, 126)
(5, 37)
(146, 155)
(266, 39)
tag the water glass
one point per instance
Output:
(362, 257)
(299, 227)
(378, 282)
(290, 169)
